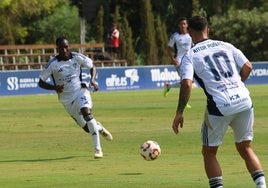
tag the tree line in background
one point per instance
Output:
(144, 25)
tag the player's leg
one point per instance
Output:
(212, 166)
(83, 116)
(91, 122)
(213, 130)
(243, 133)
(168, 86)
(252, 162)
(74, 110)
(92, 128)
(166, 89)
(175, 85)
(116, 52)
(110, 51)
(113, 52)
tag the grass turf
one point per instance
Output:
(41, 146)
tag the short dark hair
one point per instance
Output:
(59, 40)
(198, 23)
(181, 19)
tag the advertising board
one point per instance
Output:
(113, 78)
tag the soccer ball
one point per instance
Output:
(150, 150)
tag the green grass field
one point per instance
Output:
(41, 146)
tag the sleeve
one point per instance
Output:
(171, 41)
(239, 57)
(186, 68)
(84, 61)
(45, 73)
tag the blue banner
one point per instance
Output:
(132, 78)
(259, 74)
(113, 78)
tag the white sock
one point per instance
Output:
(260, 182)
(216, 182)
(259, 178)
(94, 129)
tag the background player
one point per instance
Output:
(65, 69)
(179, 43)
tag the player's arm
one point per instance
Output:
(242, 62)
(47, 86)
(93, 73)
(170, 51)
(245, 71)
(185, 91)
(115, 34)
(88, 63)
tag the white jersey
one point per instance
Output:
(216, 65)
(67, 73)
(181, 43)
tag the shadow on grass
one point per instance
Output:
(37, 160)
(131, 174)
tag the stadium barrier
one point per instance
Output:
(113, 78)
(28, 57)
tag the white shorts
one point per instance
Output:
(73, 108)
(214, 127)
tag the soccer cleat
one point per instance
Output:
(98, 154)
(188, 106)
(166, 89)
(105, 133)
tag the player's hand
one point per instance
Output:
(94, 85)
(59, 88)
(175, 62)
(178, 121)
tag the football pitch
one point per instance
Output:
(41, 146)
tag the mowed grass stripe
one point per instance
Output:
(41, 146)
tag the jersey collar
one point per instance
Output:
(59, 59)
(201, 41)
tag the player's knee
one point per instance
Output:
(85, 128)
(88, 117)
(209, 151)
(244, 148)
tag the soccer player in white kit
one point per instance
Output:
(221, 70)
(65, 70)
(179, 43)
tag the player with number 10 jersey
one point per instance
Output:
(219, 64)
